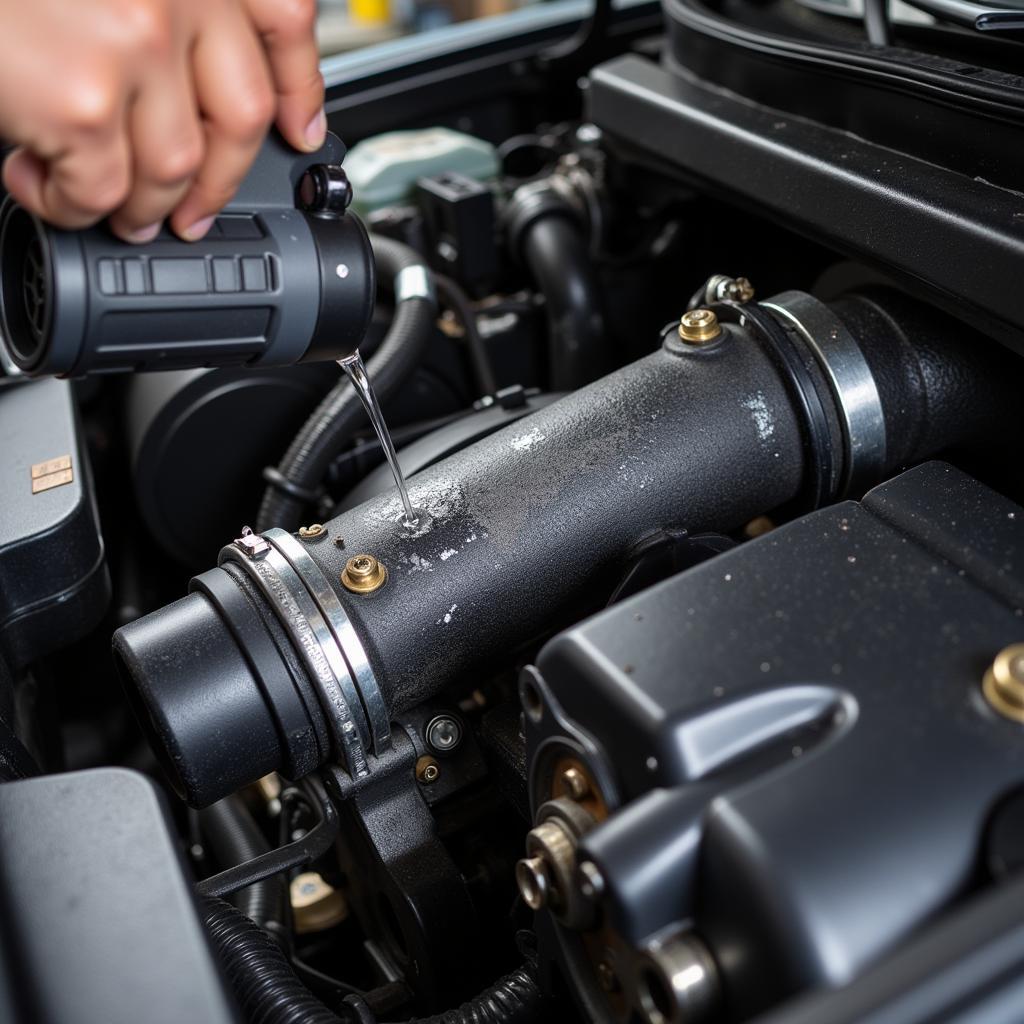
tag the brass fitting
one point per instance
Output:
(316, 905)
(363, 574)
(574, 782)
(1003, 684)
(427, 770)
(699, 326)
(312, 531)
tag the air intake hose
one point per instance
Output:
(282, 655)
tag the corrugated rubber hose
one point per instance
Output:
(300, 473)
(268, 992)
(234, 838)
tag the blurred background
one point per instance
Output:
(349, 24)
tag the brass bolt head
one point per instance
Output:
(363, 574)
(427, 770)
(575, 782)
(699, 326)
(311, 531)
(1003, 684)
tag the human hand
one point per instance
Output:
(144, 109)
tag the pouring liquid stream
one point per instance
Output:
(355, 368)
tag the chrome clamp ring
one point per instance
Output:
(344, 632)
(301, 617)
(851, 382)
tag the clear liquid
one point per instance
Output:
(355, 368)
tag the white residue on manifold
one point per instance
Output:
(439, 499)
(524, 442)
(419, 564)
(447, 553)
(447, 617)
(762, 415)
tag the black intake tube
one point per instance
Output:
(341, 413)
(527, 530)
(268, 991)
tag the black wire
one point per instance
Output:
(457, 300)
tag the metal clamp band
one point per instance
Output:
(851, 381)
(299, 614)
(341, 626)
(414, 282)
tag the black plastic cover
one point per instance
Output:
(801, 722)
(99, 923)
(54, 585)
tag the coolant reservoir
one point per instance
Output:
(384, 169)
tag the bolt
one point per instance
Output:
(738, 289)
(699, 326)
(532, 879)
(363, 574)
(591, 881)
(575, 782)
(427, 770)
(444, 733)
(311, 531)
(1003, 684)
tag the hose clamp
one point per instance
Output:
(414, 282)
(850, 380)
(344, 633)
(300, 615)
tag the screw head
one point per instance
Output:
(311, 531)
(1003, 684)
(363, 574)
(444, 733)
(575, 782)
(699, 326)
(427, 770)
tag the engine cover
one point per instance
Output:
(794, 757)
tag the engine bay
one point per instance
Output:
(688, 686)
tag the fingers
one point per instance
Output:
(236, 99)
(287, 28)
(167, 147)
(90, 174)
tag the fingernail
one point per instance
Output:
(197, 230)
(144, 235)
(316, 131)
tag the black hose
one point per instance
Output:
(268, 991)
(547, 235)
(234, 838)
(456, 299)
(340, 414)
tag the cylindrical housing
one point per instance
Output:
(219, 692)
(520, 532)
(531, 527)
(270, 284)
(527, 528)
